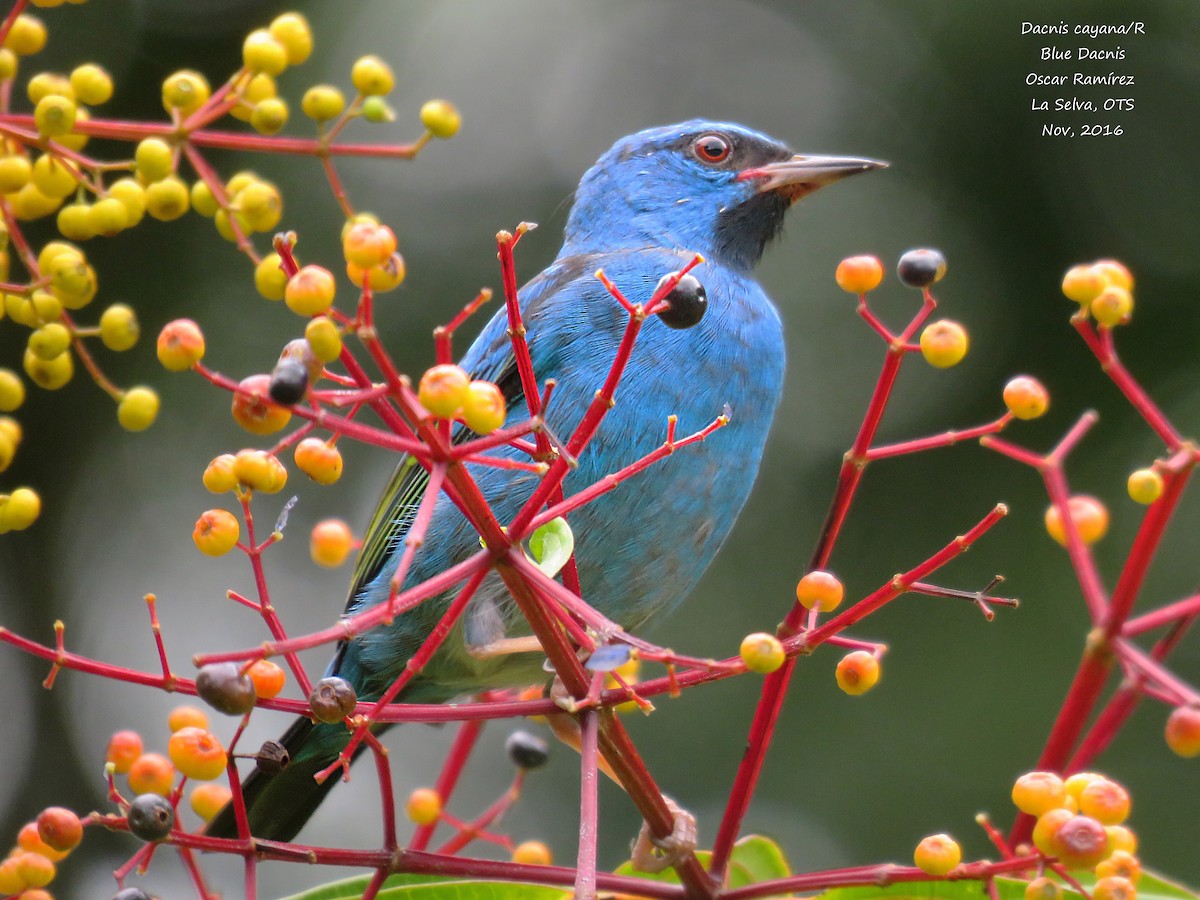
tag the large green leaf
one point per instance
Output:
(432, 887)
(754, 859)
(1150, 887)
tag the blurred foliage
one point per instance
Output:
(936, 87)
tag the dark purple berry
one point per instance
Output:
(226, 688)
(150, 817)
(289, 381)
(332, 700)
(688, 300)
(272, 757)
(527, 751)
(921, 268)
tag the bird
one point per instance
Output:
(647, 207)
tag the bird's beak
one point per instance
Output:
(801, 175)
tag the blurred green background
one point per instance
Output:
(936, 87)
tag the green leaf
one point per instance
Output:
(918, 890)
(432, 887)
(552, 545)
(754, 859)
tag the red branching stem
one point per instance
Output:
(7, 25)
(443, 335)
(375, 884)
(997, 839)
(456, 760)
(1150, 670)
(516, 330)
(387, 798)
(415, 537)
(880, 875)
(336, 186)
(156, 628)
(1012, 451)
(1149, 536)
(1180, 610)
(1101, 344)
(477, 827)
(946, 439)
(188, 858)
(210, 177)
(589, 806)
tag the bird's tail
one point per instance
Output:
(279, 803)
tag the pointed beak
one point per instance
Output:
(801, 175)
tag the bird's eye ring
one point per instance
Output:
(711, 148)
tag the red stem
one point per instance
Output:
(589, 809)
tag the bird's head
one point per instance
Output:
(714, 188)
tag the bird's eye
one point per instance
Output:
(711, 149)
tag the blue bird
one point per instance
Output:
(643, 210)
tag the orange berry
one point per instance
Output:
(268, 678)
(180, 345)
(1080, 842)
(1038, 792)
(123, 748)
(859, 274)
(1183, 731)
(29, 839)
(857, 672)
(762, 652)
(1077, 782)
(1026, 397)
(34, 869)
(820, 590)
(330, 543)
(484, 409)
(1105, 801)
(259, 471)
(1083, 284)
(1089, 515)
(1114, 887)
(1121, 839)
(11, 881)
(219, 475)
(319, 460)
(216, 532)
(1122, 863)
(368, 244)
(532, 853)
(197, 753)
(944, 344)
(151, 773)
(443, 390)
(1114, 306)
(310, 291)
(252, 407)
(382, 278)
(60, 829)
(937, 854)
(187, 717)
(1043, 888)
(209, 799)
(424, 806)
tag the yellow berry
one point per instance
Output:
(323, 338)
(319, 460)
(381, 278)
(532, 853)
(27, 35)
(1043, 888)
(857, 672)
(443, 390)
(138, 409)
(819, 590)
(368, 244)
(330, 542)
(263, 53)
(1145, 486)
(292, 31)
(108, 216)
(187, 716)
(1088, 514)
(260, 206)
(19, 510)
(72, 280)
(29, 203)
(323, 102)
(216, 532)
(762, 652)
(209, 799)
(153, 159)
(260, 87)
(1047, 826)
(859, 274)
(204, 201)
(186, 91)
(484, 408)
(50, 341)
(133, 196)
(944, 344)
(34, 869)
(1115, 273)
(1026, 397)
(371, 76)
(269, 116)
(424, 806)
(1122, 863)
(1083, 284)
(1038, 792)
(1114, 306)
(1077, 782)
(15, 173)
(180, 345)
(1121, 839)
(119, 329)
(441, 118)
(8, 450)
(8, 64)
(92, 85)
(52, 177)
(310, 291)
(50, 374)
(269, 278)
(219, 475)
(197, 754)
(937, 854)
(76, 139)
(167, 199)
(1113, 887)
(257, 470)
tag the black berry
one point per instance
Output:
(689, 302)
(226, 688)
(527, 751)
(921, 268)
(150, 817)
(289, 381)
(332, 700)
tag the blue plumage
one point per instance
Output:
(648, 205)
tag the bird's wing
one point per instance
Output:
(490, 358)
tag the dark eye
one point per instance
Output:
(711, 149)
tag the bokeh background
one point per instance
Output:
(936, 87)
